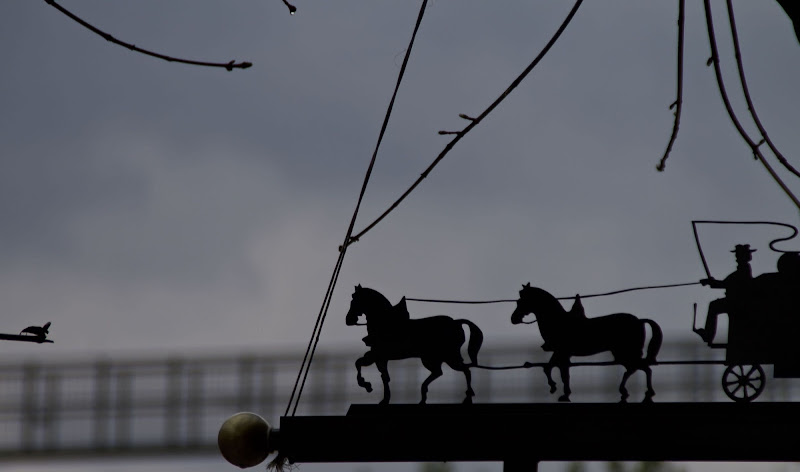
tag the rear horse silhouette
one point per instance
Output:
(569, 334)
(392, 335)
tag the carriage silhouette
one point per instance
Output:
(763, 330)
(763, 321)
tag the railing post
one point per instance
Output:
(172, 406)
(29, 415)
(122, 417)
(245, 399)
(52, 394)
(268, 400)
(194, 406)
(101, 403)
(319, 381)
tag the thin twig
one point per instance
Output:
(746, 91)
(678, 103)
(292, 8)
(473, 123)
(226, 65)
(721, 85)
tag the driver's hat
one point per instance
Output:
(743, 249)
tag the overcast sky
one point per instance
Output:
(148, 206)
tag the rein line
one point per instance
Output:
(594, 295)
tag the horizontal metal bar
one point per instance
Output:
(546, 432)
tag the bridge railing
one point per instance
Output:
(175, 405)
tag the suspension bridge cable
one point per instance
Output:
(473, 123)
(678, 103)
(226, 65)
(748, 99)
(731, 114)
(315, 335)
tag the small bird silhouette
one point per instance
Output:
(40, 331)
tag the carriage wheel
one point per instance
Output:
(743, 382)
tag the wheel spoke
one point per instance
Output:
(743, 382)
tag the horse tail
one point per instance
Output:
(655, 341)
(475, 341)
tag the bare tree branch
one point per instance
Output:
(473, 122)
(291, 7)
(746, 91)
(724, 95)
(678, 103)
(226, 65)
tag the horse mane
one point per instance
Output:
(400, 310)
(543, 298)
(375, 297)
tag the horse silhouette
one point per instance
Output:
(569, 335)
(392, 335)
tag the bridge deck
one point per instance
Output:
(527, 433)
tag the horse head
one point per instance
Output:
(366, 301)
(523, 306)
(355, 310)
(540, 302)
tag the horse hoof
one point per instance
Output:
(647, 400)
(368, 388)
(623, 400)
(564, 399)
(467, 401)
(553, 389)
(384, 402)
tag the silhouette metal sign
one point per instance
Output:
(763, 327)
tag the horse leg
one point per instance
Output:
(564, 368)
(622, 390)
(458, 364)
(548, 372)
(470, 392)
(365, 360)
(384, 370)
(436, 371)
(650, 393)
(562, 362)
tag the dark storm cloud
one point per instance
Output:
(137, 192)
(174, 209)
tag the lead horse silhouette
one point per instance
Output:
(391, 335)
(569, 334)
